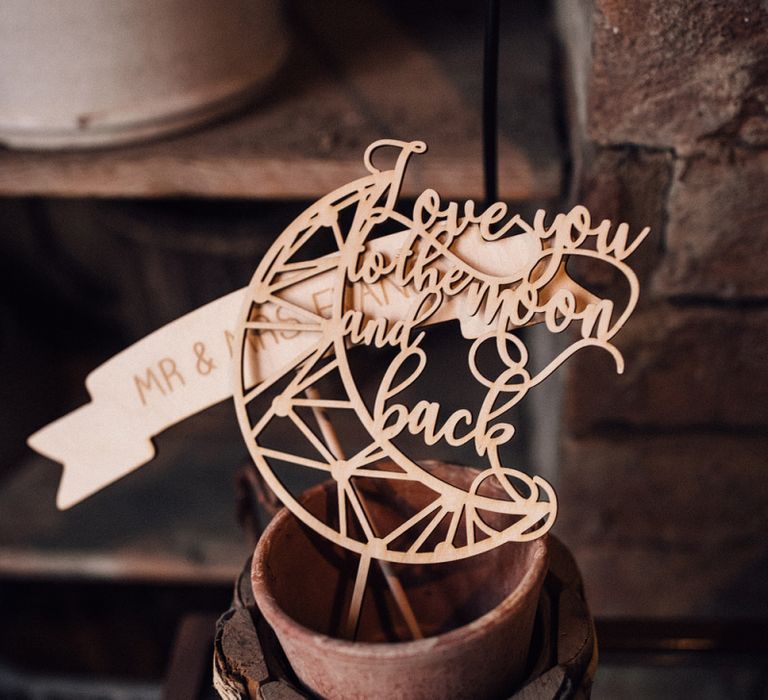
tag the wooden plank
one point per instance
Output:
(84, 564)
(357, 73)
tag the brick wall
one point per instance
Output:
(664, 480)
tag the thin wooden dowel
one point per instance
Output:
(401, 599)
(393, 582)
(356, 605)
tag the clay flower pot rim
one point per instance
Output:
(274, 612)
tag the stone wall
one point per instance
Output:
(664, 480)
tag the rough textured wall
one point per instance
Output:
(664, 485)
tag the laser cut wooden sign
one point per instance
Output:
(353, 270)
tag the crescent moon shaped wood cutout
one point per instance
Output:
(354, 271)
(351, 272)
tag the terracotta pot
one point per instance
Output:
(89, 72)
(477, 614)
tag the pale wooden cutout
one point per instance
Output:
(301, 315)
(183, 368)
(482, 278)
(445, 263)
(145, 389)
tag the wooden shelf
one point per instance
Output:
(173, 520)
(358, 71)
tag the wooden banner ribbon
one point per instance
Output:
(169, 375)
(185, 367)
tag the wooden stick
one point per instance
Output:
(393, 583)
(356, 605)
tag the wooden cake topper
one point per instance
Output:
(354, 270)
(442, 263)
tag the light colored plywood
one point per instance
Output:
(386, 272)
(302, 314)
(446, 262)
